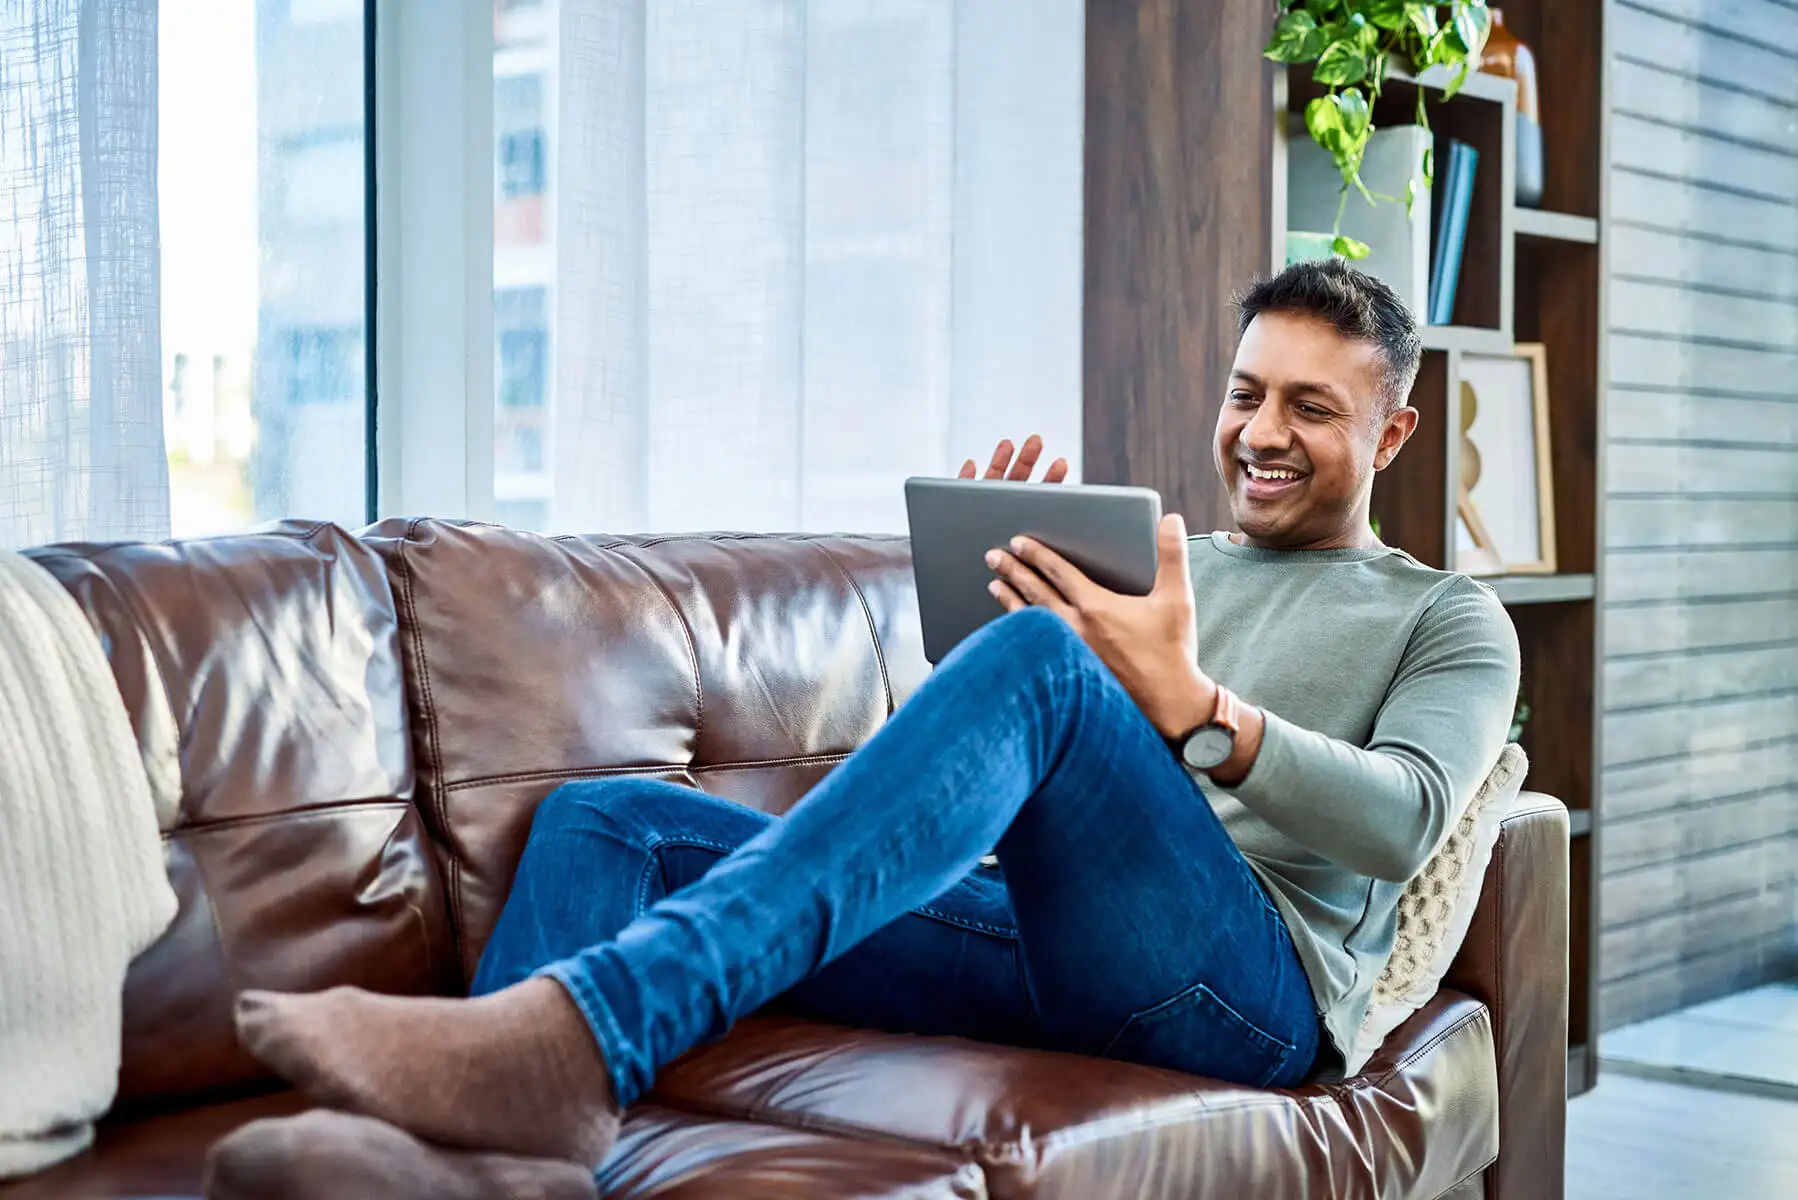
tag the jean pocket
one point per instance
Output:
(1197, 1032)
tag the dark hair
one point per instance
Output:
(1356, 304)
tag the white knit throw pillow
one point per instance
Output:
(1437, 907)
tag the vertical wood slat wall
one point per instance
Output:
(1700, 855)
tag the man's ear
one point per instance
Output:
(1397, 431)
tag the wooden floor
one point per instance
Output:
(1645, 1139)
(1701, 1103)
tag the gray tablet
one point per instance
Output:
(1108, 532)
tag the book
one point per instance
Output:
(1399, 242)
(1451, 230)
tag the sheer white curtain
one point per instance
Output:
(81, 442)
(805, 248)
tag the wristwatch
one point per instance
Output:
(1211, 744)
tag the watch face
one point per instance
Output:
(1208, 747)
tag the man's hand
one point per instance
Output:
(1002, 466)
(1149, 642)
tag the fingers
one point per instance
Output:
(1006, 595)
(1172, 570)
(1025, 582)
(1033, 450)
(1063, 576)
(1001, 459)
(1003, 466)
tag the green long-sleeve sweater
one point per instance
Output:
(1389, 689)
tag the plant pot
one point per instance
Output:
(1305, 244)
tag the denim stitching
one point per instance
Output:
(654, 844)
(1283, 1047)
(966, 922)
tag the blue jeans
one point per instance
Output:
(1122, 920)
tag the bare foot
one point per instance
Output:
(323, 1155)
(516, 1072)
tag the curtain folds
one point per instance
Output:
(81, 438)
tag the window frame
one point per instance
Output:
(432, 181)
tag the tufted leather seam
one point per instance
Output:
(650, 769)
(868, 613)
(757, 764)
(432, 731)
(288, 814)
(1411, 1058)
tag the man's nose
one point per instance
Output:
(1268, 428)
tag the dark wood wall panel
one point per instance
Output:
(1557, 305)
(1179, 152)
(1566, 37)
(1410, 495)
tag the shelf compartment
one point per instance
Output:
(1554, 226)
(1482, 115)
(1542, 589)
(1469, 339)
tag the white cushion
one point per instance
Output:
(1437, 907)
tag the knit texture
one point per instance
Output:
(83, 880)
(1437, 907)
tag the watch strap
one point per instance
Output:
(1228, 713)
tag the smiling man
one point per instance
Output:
(1206, 803)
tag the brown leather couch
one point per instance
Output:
(358, 728)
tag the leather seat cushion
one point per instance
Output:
(1422, 1117)
(661, 1154)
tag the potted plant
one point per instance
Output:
(1352, 44)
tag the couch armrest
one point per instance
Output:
(1514, 960)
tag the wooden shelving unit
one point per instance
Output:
(1528, 275)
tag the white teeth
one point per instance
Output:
(1276, 473)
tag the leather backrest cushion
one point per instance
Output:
(744, 665)
(262, 677)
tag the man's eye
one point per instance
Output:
(1241, 397)
(1311, 410)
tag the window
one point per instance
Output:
(263, 192)
(826, 246)
(322, 366)
(518, 124)
(521, 418)
(523, 351)
(321, 178)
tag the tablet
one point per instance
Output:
(1108, 532)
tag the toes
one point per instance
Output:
(248, 1164)
(259, 1017)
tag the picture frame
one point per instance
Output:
(1474, 552)
(1507, 483)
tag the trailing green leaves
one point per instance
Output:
(1297, 38)
(1350, 44)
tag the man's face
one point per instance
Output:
(1302, 431)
